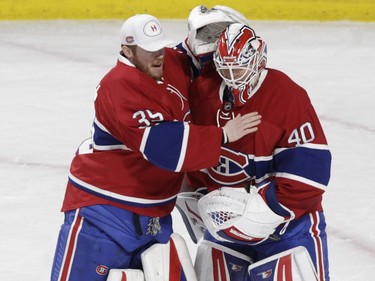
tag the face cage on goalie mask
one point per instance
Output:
(236, 75)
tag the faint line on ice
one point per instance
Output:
(347, 124)
(33, 164)
(352, 240)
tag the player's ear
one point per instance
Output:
(129, 52)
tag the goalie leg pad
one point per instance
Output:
(215, 262)
(168, 262)
(294, 264)
(125, 274)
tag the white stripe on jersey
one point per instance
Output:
(181, 159)
(301, 179)
(306, 145)
(144, 141)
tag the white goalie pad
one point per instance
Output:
(187, 205)
(168, 262)
(233, 215)
(217, 262)
(294, 264)
(125, 274)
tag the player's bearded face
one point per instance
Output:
(149, 62)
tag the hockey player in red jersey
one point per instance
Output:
(123, 181)
(278, 174)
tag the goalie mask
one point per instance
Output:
(239, 58)
(205, 26)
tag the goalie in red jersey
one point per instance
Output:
(277, 175)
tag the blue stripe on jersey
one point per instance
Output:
(103, 138)
(165, 145)
(307, 162)
(263, 167)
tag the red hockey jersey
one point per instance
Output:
(141, 141)
(288, 154)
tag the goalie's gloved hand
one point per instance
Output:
(233, 215)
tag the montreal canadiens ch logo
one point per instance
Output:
(102, 270)
(232, 167)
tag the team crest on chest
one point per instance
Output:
(233, 168)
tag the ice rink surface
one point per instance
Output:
(48, 74)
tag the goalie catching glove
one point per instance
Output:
(233, 215)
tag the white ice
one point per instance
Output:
(48, 74)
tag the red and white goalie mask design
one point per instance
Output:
(239, 58)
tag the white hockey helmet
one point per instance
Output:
(205, 26)
(239, 58)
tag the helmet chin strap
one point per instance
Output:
(226, 112)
